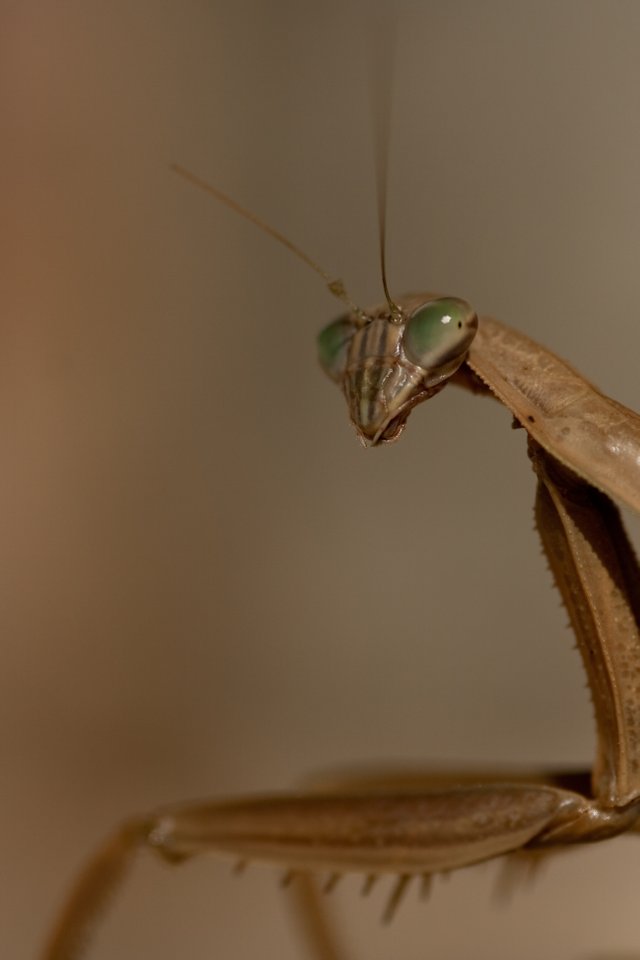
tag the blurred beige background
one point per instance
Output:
(208, 586)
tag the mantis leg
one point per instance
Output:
(402, 833)
(437, 822)
(309, 895)
(597, 574)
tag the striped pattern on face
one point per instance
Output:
(379, 382)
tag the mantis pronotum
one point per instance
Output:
(584, 449)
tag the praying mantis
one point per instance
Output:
(585, 451)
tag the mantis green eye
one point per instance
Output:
(333, 347)
(439, 332)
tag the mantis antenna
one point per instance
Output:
(382, 49)
(336, 287)
(381, 66)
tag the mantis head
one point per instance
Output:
(391, 358)
(387, 359)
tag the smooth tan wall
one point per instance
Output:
(208, 586)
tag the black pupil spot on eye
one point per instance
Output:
(459, 324)
(530, 419)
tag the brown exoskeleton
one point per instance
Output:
(585, 450)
